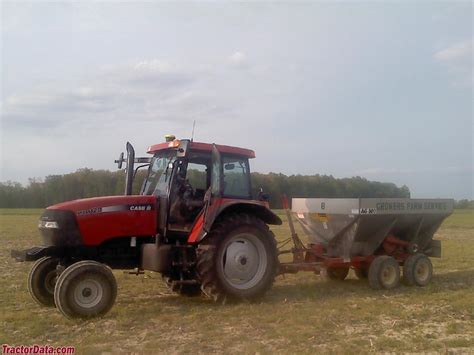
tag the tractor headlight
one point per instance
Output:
(48, 224)
(59, 228)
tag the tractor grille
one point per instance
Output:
(68, 232)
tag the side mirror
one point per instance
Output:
(120, 161)
(229, 166)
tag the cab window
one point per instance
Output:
(158, 174)
(196, 175)
(236, 177)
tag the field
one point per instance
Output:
(300, 314)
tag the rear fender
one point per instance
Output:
(253, 208)
(198, 233)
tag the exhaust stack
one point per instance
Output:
(129, 169)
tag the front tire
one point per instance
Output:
(238, 260)
(42, 279)
(85, 289)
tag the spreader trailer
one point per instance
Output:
(373, 236)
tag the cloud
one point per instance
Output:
(456, 52)
(457, 58)
(146, 90)
(157, 72)
(46, 107)
(238, 60)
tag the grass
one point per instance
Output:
(460, 219)
(301, 314)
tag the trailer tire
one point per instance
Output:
(384, 272)
(417, 270)
(334, 274)
(361, 273)
(85, 289)
(255, 259)
(42, 279)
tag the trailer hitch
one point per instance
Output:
(299, 248)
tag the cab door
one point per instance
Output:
(212, 199)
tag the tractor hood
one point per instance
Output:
(92, 221)
(94, 205)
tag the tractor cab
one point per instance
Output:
(186, 177)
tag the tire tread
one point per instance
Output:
(206, 255)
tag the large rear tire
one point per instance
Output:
(238, 260)
(417, 270)
(384, 272)
(42, 279)
(85, 289)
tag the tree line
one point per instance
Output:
(89, 183)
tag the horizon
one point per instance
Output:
(377, 90)
(41, 179)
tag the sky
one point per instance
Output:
(381, 90)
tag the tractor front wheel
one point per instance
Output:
(42, 279)
(238, 260)
(85, 289)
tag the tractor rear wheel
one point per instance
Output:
(238, 260)
(85, 289)
(384, 272)
(334, 274)
(42, 279)
(417, 270)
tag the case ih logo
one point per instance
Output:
(141, 207)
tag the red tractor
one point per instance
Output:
(195, 222)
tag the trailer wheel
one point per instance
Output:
(361, 273)
(85, 289)
(384, 272)
(238, 260)
(417, 270)
(334, 273)
(42, 279)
